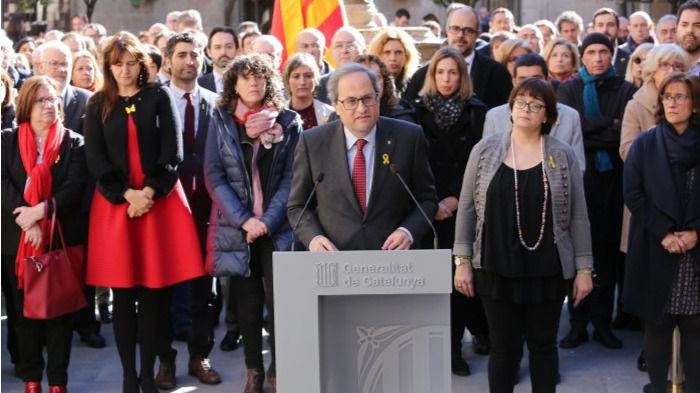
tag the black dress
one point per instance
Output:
(509, 271)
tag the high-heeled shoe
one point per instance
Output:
(32, 387)
(58, 389)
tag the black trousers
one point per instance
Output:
(509, 325)
(84, 321)
(137, 326)
(658, 340)
(250, 295)
(597, 307)
(203, 314)
(34, 335)
(8, 290)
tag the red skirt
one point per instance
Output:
(156, 250)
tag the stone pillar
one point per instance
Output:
(361, 13)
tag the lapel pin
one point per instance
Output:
(58, 159)
(388, 142)
(552, 164)
(130, 109)
(385, 159)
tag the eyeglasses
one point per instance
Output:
(351, 103)
(313, 45)
(638, 60)
(674, 66)
(678, 98)
(467, 31)
(56, 64)
(531, 106)
(47, 101)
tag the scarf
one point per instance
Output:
(260, 124)
(683, 150)
(446, 110)
(39, 181)
(590, 93)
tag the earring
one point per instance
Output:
(142, 79)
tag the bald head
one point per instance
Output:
(270, 46)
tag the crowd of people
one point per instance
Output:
(558, 163)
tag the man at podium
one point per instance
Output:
(354, 178)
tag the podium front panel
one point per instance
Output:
(363, 321)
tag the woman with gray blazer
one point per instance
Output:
(522, 235)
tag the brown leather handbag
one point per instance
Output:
(53, 282)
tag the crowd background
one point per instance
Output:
(620, 90)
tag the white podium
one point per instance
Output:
(363, 321)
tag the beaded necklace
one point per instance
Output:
(517, 203)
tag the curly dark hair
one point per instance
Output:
(389, 97)
(246, 65)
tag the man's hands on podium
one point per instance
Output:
(321, 243)
(398, 240)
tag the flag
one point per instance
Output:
(289, 17)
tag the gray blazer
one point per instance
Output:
(74, 102)
(567, 128)
(571, 228)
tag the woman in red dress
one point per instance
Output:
(142, 236)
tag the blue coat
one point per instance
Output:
(228, 183)
(651, 196)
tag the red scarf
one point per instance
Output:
(39, 182)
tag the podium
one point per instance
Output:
(363, 321)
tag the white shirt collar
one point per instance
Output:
(179, 93)
(350, 139)
(470, 60)
(217, 76)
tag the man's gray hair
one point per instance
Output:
(351, 68)
(58, 45)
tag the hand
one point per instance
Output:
(34, 236)
(688, 239)
(672, 244)
(254, 228)
(140, 200)
(443, 212)
(133, 212)
(28, 216)
(464, 280)
(321, 243)
(583, 285)
(398, 240)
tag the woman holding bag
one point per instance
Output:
(248, 171)
(43, 170)
(142, 234)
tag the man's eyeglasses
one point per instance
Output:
(313, 45)
(467, 31)
(56, 64)
(351, 103)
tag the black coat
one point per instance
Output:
(491, 81)
(651, 195)
(74, 103)
(159, 137)
(69, 177)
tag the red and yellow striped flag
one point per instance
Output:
(289, 17)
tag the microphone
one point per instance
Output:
(395, 170)
(318, 181)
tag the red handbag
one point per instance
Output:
(53, 282)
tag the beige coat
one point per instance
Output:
(640, 116)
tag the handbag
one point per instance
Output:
(53, 282)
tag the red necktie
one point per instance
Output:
(189, 177)
(359, 175)
(189, 124)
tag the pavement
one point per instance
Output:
(590, 368)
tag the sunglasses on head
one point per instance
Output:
(638, 60)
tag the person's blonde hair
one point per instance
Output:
(296, 61)
(549, 49)
(99, 80)
(660, 54)
(507, 47)
(376, 47)
(641, 50)
(465, 84)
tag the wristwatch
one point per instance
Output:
(461, 260)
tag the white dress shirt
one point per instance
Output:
(218, 81)
(181, 103)
(368, 151)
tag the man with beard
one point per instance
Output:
(688, 33)
(194, 105)
(491, 80)
(221, 49)
(606, 21)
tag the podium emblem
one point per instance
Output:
(327, 275)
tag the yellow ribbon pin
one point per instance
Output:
(385, 159)
(130, 109)
(551, 163)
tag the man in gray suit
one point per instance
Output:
(568, 126)
(54, 60)
(360, 204)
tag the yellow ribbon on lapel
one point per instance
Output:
(385, 159)
(130, 109)
(552, 164)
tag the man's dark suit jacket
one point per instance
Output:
(491, 81)
(74, 103)
(193, 165)
(623, 57)
(207, 81)
(335, 211)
